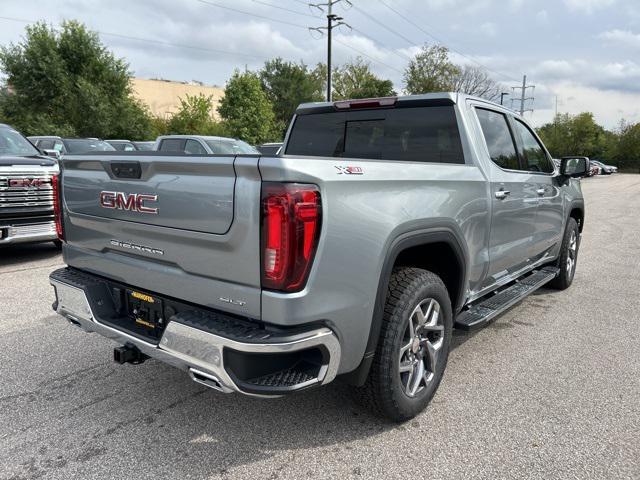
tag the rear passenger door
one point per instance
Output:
(550, 215)
(514, 201)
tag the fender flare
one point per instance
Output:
(576, 204)
(414, 238)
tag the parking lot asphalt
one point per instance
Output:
(549, 390)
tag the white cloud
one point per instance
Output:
(588, 6)
(622, 76)
(489, 29)
(608, 107)
(621, 37)
(542, 17)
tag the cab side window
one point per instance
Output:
(45, 144)
(532, 151)
(174, 145)
(497, 135)
(192, 147)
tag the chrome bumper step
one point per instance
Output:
(490, 307)
(217, 350)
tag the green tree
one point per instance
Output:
(574, 135)
(66, 82)
(356, 80)
(287, 85)
(431, 71)
(195, 117)
(246, 110)
(627, 150)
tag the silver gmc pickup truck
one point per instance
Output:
(382, 225)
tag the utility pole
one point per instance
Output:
(523, 96)
(333, 21)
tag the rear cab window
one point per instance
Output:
(172, 145)
(411, 133)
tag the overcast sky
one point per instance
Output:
(585, 52)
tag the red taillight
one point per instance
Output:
(290, 229)
(57, 206)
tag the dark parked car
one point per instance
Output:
(71, 145)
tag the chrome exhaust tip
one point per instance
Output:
(208, 380)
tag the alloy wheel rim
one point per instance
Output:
(573, 252)
(422, 342)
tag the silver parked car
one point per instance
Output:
(203, 145)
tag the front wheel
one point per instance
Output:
(568, 258)
(413, 348)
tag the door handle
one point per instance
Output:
(540, 191)
(502, 194)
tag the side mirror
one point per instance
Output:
(574, 167)
(52, 153)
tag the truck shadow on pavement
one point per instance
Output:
(30, 252)
(104, 416)
(543, 299)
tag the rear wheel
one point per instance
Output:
(413, 347)
(58, 244)
(568, 256)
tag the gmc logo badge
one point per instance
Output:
(28, 182)
(133, 202)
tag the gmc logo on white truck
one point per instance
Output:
(133, 202)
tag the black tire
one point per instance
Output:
(58, 244)
(384, 391)
(565, 277)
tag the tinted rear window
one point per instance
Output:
(426, 134)
(172, 145)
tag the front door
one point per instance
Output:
(550, 215)
(513, 196)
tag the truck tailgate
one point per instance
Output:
(183, 226)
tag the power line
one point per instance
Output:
(389, 29)
(395, 52)
(211, 50)
(368, 56)
(284, 8)
(407, 19)
(523, 96)
(149, 40)
(264, 17)
(333, 21)
(251, 14)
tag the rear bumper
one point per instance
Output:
(212, 349)
(23, 233)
